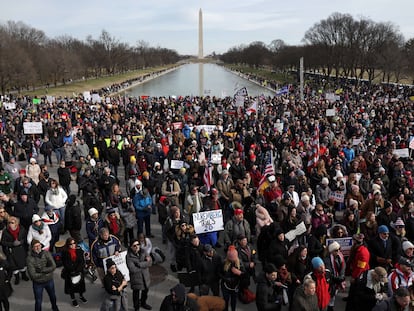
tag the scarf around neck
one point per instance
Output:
(322, 290)
(15, 232)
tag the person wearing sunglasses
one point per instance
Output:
(138, 263)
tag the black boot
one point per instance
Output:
(24, 276)
(16, 279)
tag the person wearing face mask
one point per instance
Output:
(40, 266)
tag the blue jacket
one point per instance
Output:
(141, 204)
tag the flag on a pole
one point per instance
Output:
(314, 149)
(241, 92)
(283, 90)
(207, 177)
(252, 108)
(268, 170)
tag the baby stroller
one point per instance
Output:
(89, 270)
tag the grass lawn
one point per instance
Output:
(80, 86)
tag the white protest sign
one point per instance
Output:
(402, 153)
(32, 128)
(216, 158)
(50, 99)
(356, 141)
(330, 96)
(96, 98)
(330, 112)
(239, 101)
(9, 106)
(278, 126)
(120, 262)
(209, 221)
(292, 234)
(176, 164)
(87, 96)
(209, 128)
(345, 243)
(411, 145)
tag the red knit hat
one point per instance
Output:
(232, 253)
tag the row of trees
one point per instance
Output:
(29, 58)
(339, 45)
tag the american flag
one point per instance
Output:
(207, 177)
(314, 149)
(268, 170)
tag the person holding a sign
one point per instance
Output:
(138, 264)
(114, 284)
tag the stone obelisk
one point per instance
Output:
(200, 34)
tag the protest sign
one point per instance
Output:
(9, 106)
(337, 196)
(346, 244)
(120, 262)
(292, 234)
(32, 128)
(330, 112)
(402, 153)
(176, 164)
(209, 221)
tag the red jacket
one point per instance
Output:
(360, 262)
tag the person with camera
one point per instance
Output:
(268, 290)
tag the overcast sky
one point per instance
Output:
(173, 24)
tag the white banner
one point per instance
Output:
(176, 164)
(209, 221)
(330, 112)
(292, 234)
(402, 153)
(87, 96)
(120, 262)
(216, 158)
(9, 106)
(96, 98)
(32, 128)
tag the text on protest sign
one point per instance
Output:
(345, 243)
(292, 234)
(120, 262)
(32, 128)
(209, 221)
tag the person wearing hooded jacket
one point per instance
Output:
(178, 300)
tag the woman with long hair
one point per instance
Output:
(56, 197)
(14, 244)
(230, 279)
(73, 264)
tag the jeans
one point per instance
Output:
(147, 221)
(38, 294)
(61, 212)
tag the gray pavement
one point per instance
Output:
(22, 297)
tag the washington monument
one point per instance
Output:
(200, 34)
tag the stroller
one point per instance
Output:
(89, 270)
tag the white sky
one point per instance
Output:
(173, 24)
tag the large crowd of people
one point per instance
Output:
(316, 197)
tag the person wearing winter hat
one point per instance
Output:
(324, 281)
(93, 224)
(114, 284)
(408, 250)
(335, 262)
(381, 249)
(39, 231)
(232, 274)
